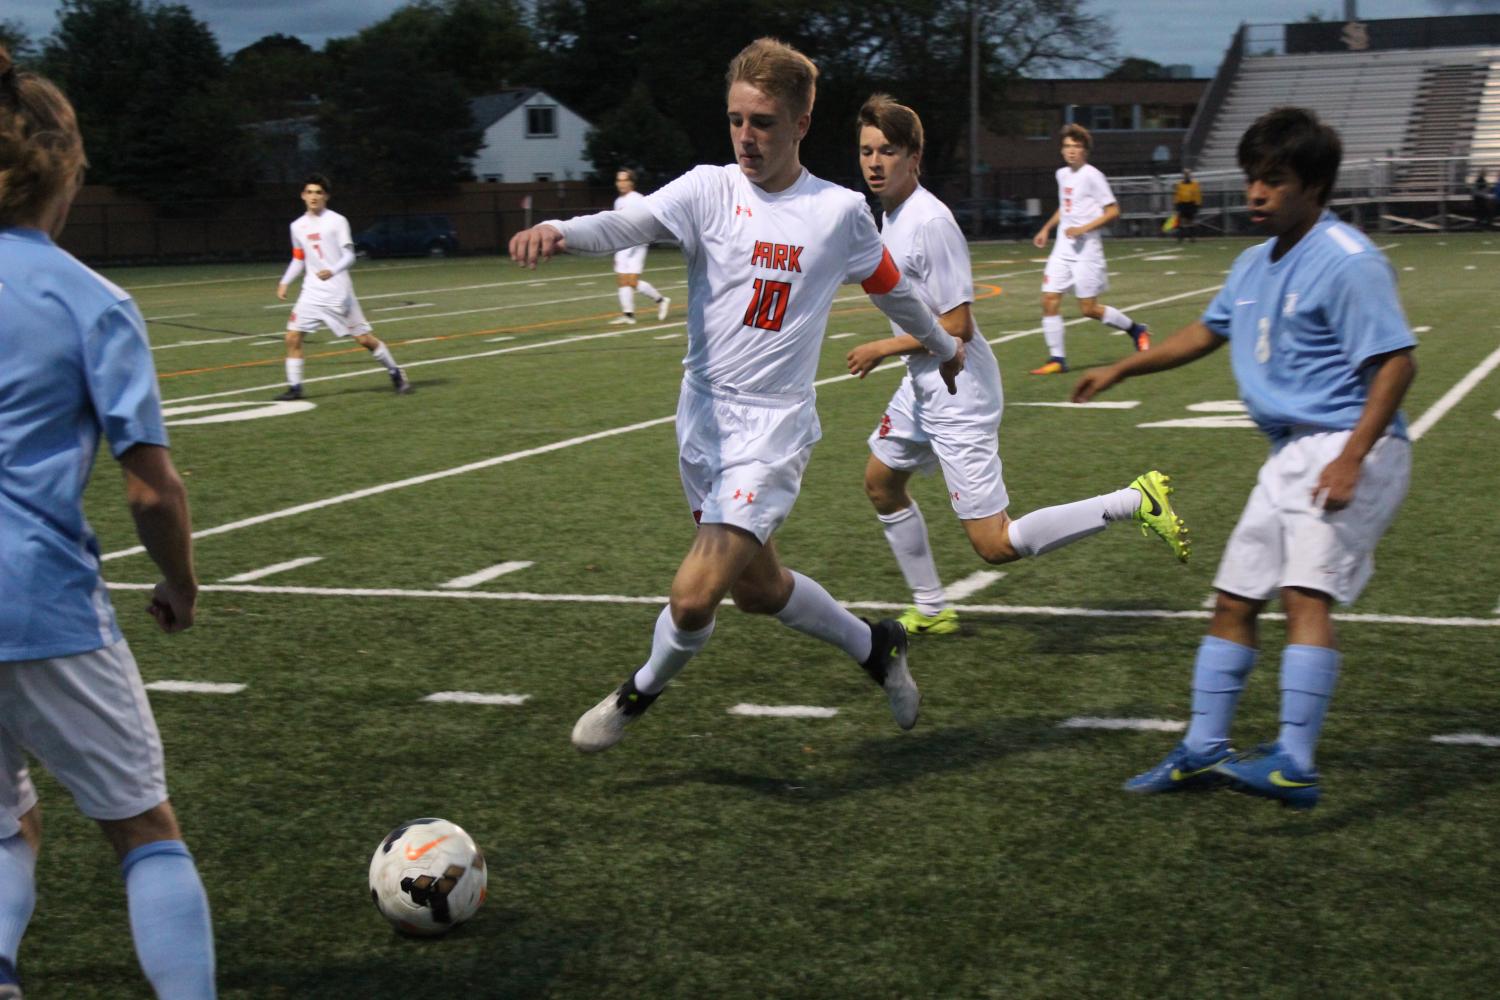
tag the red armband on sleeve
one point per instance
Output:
(297, 253)
(886, 276)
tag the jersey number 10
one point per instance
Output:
(768, 304)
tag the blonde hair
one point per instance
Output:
(41, 149)
(777, 70)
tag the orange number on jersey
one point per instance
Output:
(768, 304)
(319, 247)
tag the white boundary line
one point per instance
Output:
(1093, 722)
(783, 711)
(1451, 398)
(1468, 740)
(485, 575)
(194, 687)
(994, 609)
(477, 698)
(264, 571)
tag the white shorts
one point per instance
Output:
(742, 455)
(350, 322)
(87, 720)
(1085, 272)
(969, 455)
(632, 261)
(1284, 540)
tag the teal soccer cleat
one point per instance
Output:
(1270, 772)
(1180, 769)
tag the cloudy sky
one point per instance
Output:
(1194, 32)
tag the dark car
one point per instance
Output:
(409, 235)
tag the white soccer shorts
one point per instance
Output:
(969, 454)
(86, 719)
(742, 455)
(1085, 271)
(632, 261)
(351, 322)
(1283, 539)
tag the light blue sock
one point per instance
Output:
(1308, 674)
(1219, 674)
(17, 893)
(174, 937)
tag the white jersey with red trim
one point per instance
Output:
(319, 241)
(1082, 196)
(763, 270)
(931, 251)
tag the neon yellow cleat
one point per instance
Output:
(1156, 514)
(945, 622)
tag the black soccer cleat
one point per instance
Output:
(292, 392)
(887, 667)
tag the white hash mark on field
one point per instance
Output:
(783, 711)
(485, 575)
(971, 584)
(194, 687)
(1093, 722)
(1468, 740)
(1451, 398)
(265, 571)
(477, 698)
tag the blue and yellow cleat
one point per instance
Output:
(1270, 772)
(1181, 769)
(1155, 513)
(945, 622)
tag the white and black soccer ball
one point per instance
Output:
(427, 877)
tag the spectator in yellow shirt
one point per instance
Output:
(1186, 197)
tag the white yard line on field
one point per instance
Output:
(265, 571)
(1091, 722)
(783, 711)
(1451, 398)
(194, 687)
(1130, 308)
(524, 597)
(971, 584)
(485, 575)
(1468, 740)
(477, 698)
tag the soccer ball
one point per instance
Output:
(427, 876)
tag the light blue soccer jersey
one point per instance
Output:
(74, 361)
(1301, 329)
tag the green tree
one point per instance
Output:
(277, 76)
(485, 44)
(146, 81)
(635, 134)
(16, 41)
(1132, 68)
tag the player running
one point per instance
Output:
(924, 427)
(630, 262)
(767, 247)
(1323, 357)
(321, 241)
(1085, 205)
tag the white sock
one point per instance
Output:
(671, 648)
(647, 289)
(906, 531)
(1050, 528)
(293, 371)
(813, 611)
(627, 299)
(1052, 331)
(1113, 317)
(383, 355)
(17, 893)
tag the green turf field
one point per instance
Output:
(988, 853)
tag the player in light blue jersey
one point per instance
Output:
(1323, 356)
(75, 364)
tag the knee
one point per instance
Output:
(995, 550)
(758, 599)
(886, 498)
(692, 612)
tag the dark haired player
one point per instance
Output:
(1323, 356)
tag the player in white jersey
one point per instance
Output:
(630, 262)
(75, 371)
(321, 242)
(924, 427)
(1085, 204)
(767, 247)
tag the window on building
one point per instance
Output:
(541, 121)
(1166, 115)
(541, 177)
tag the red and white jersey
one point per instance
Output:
(319, 241)
(931, 251)
(763, 270)
(1082, 196)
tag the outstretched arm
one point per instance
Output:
(866, 357)
(602, 232)
(1188, 344)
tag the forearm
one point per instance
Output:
(912, 315)
(292, 273)
(345, 261)
(1393, 377)
(159, 507)
(1188, 344)
(1111, 213)
(1051, 223)
(605, 232)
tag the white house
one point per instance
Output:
(528, 136)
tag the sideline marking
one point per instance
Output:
(484, 575)
(194, 687)
(1468, 740)
(994, 609)
(476, 698)
(1092, 722)
(1451, 398)
(1084, 319)
(265, 571)
(783, 711)
(971, 584)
